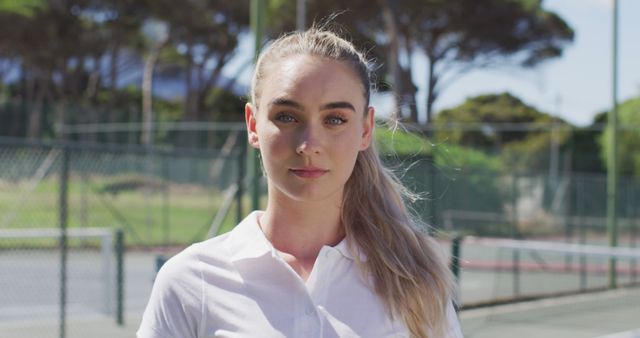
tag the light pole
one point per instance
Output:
(158, 34)
(253, 160)
(612, 160)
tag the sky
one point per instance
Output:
(575, 86)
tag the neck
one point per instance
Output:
(299, 230)
(302, 230)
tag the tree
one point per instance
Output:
(74, 56)
(502, 122)
(360, 21)
(455, 36)
(59, 50)
(458, 35)
(628, 138)
(203, 38)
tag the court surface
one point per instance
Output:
(608, 314)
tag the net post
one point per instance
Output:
(119, 244)
(455, 265)
(106, 251)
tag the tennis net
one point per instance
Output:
(32, 280)
(495, 271)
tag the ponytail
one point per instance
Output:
(409, 271)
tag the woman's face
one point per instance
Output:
(309, 127)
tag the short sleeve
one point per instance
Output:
(174, 308)
(453, 325)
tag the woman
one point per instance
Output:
(335, 253)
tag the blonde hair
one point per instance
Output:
(408, 270)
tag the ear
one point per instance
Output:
(369, 123)
(250, 119)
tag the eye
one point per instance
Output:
(335, 120)
(285, 118)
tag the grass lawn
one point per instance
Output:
(172, 214)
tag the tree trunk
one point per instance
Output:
(147, 97)
(34, 119)
(389, 13)
(33, 105)
(113, 90)
(90, 99)
(21, 115)
(409, 87)
(188, 139)
(431, 90)
(60, 118)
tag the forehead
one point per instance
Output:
(311, 78)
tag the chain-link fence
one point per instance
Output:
(47, 282)
(170, 198)
(159, 199)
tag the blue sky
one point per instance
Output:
(574, 87)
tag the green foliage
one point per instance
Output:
(485, 123)
(25, 8)
(447, 155)
(224, 106)
(457, 171)
(458, 35)
(401, 143)
(628, 139)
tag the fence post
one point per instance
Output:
(633, 226)
(580, 201)
(516, 272)
(165, 201)
(516, 235)
(119, 276)
(242, 155)
(63, 204)
(433, 206)
(455, 257)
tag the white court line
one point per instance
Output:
(626, 334)
(548, 302)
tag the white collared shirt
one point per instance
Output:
(237, 285)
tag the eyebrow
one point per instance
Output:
(286, 102)
(338, 105)
(327, 106)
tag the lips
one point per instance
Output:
(309, 172)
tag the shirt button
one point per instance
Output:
(310, 310)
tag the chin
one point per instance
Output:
(313, 195)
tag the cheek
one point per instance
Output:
(273, 144)
(347, 146)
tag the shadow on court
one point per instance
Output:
(610, 314)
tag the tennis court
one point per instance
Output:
(611, 314)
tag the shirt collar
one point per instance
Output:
(247, 241)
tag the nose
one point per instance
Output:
(309, 143)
